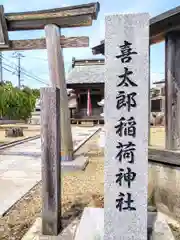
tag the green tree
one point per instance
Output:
(16, 103)
(36, 93)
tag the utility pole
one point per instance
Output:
(1, 68)
(18, 56)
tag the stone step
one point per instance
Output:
(35, 232)
(91, 225)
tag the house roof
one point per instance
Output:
(159, 27)
(159, 82)
(99, 49)
(86, 71)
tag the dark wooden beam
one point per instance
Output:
(65, 22)
(164, 23)
(99, 49)
(172, 79)
(164, 156)
(73, 16)
(85, 62)
(159, 27)
(3, 30)
(30, 44)
(85, 85)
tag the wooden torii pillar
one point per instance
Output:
(172, 65)
(52, 21)
(57, 76)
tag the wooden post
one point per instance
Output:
(4, 40)
(51, 174)
(149, 103)
(172, 78)
(57, 76)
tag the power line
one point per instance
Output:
(7, 65)
(25, 72)
(25, 75)
(29, 71)
(7, 69)
(34, 78)
(18, 56)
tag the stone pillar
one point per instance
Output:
(126, 126)
(57, 77)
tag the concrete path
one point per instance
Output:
(20, 167)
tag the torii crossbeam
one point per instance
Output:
(72, 16)
(52, 21)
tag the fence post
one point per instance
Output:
(51, 162)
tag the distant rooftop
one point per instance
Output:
(159, 82)
(86, 71)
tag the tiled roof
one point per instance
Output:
(99, 49)
(86, 73)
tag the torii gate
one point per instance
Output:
(52, 21)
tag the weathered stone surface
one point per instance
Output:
(165, 182)
(161, 229)
(152, 119)
(35, 232)
(79, 163)
(20, 167)
(91, 225)
(14, 132)
(159, 120)
(120, 29)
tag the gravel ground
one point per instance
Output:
(175, 231)
(79, 189)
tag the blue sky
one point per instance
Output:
(35, 61)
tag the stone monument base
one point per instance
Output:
(78, 163)
(91, 226)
